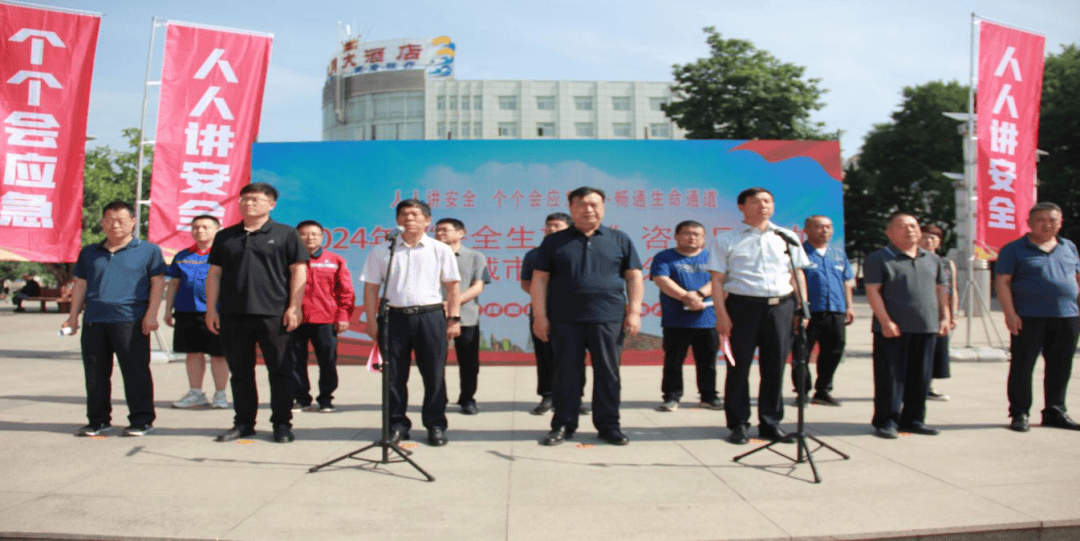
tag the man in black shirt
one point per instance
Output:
(257, 272)
(30, 289)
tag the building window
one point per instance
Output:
(655, 103)
(465, 126)
(478, 130)
(440, 130)
(545, 103)
(583, 103)
(465, 103)
(508, 103)
(478, 103)
(585, 129)
(620, 129)
(620, 103)
(453, 103)
(508, 129)
(660, 129)
(545, 129)
(440, 103)
(453, 130)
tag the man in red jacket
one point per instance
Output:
(328, 305)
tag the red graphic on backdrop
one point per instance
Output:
(825, 153)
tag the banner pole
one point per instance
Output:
(970, 179)
(139, 202)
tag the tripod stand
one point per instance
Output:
(383, 343)
(799, 356)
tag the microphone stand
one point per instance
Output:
(799, 354)
(383, 343)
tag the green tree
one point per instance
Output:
(1059, 134)
(740, 92)
(863, 218)
(902, 162)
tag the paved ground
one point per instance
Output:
(676, 480)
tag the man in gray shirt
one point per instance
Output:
(474, 274)
(905, 286)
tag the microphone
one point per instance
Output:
(787, 238)
(393, 234)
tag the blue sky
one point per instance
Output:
(865, 51)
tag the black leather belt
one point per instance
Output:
(410, 310)
(772, 301)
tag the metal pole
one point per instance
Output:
(970, 141)
(142, 130)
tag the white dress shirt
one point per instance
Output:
(418, 273)
(754, 261)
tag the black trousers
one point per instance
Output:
(940, 368)
(100, 341)
(569, 342)
(705, 344)
(323, 339)
(545, 366)
(239, 336)
(901, 377)
(768, 329)
(829, 331)
(1055, 338)
(467, 346)
(425, 335)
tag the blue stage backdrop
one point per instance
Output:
(503, 190)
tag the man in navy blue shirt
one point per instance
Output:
(120, 282)
(1038, 281)
(687, 318)
(579, 304)
(829, 287)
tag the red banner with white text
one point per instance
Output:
(208, 116)
(47, 61)
(1007, 108)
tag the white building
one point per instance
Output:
(361, 103)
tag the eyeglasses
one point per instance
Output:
(255, 199)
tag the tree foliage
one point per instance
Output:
(901, 165)
(740, 92)
(1059, 134)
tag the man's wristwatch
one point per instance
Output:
(454, 319)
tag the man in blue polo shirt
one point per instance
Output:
(830, 285)
(579, 303)
(1038, 281)
(120, 282)
(687, 317)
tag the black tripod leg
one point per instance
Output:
(762, 448)
(827, 446)
(405, 456)
(314, 469)
(803, 448)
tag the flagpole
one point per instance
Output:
(970, 173)
(139, 202)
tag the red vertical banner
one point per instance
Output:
(212, 84)
(1007, 117)
(47, 61)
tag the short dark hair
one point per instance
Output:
(1042, 206)
(117, 205)
(806, 223)
(931, 229)
(892, 217)
(687, 223)
(751, 192)
(454, 222)
(206, 217)
(409, 203)
(260, 187)
(559, 217)
(585, 191)
(308, 223)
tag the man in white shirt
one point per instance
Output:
(417, 321)
(755, 306)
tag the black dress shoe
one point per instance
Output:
(544, 406)
(886, 432)
(920, 428)
(614, 437)
(774, 434)
(397, 434)
(738, 436)
(436, 437)
(1060, 421)
(235, 433)
(283, 434)
(1019, 423)
(470, 408)
(557, 436)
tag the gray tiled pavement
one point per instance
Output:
(676, 480)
